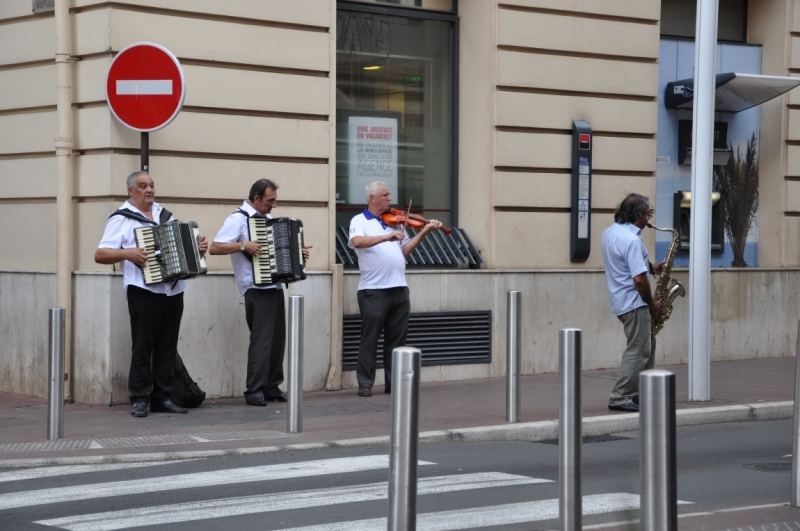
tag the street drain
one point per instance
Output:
(593, 439)
(775, 466)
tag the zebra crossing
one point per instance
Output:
(336, 490)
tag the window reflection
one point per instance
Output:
(394, 117)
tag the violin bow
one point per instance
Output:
(408, 213)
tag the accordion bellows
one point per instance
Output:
(173, 251)
(281, 258)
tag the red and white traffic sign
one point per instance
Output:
(145, 86)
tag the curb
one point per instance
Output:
(522, 432)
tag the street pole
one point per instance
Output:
(570, 503)
(294, 416)
(406, 367)
(55, 382)
(796, 432)
(659, 501)
(146, 152)
(702, 168)
(513, 361)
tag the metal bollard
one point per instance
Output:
(570, 413)
(55, 381)
(659, 500)
(406, 368)
(513, 356)
(294, 415)
(796, 432)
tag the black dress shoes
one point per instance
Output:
(628, 407)
(139, 409)
(166, 405)
(280, 398)
(364, 391)
(387, 389)
(256, 400)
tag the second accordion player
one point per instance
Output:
(281, 258)
(172, 251)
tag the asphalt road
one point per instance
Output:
(501, 485)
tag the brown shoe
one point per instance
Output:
(364, 391)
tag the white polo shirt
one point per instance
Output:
(235, 229)
(382, 266)
(625, 257)
(119, 235)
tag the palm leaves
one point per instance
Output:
(737, 182)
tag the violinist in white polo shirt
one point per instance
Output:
(382, 290)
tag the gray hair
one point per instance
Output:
(131, 180)
(634, 206)
(372, 188)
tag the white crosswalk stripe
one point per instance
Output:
(512, 513)
(68, 470)
(342, 495)
(200, 479)
(185, 512)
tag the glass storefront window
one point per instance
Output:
(394, 100)
(437, 5)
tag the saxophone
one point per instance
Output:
(668, 289)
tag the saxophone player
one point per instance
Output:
(627, 265)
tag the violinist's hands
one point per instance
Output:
(395, 236)
(432, 224)
(252, 247)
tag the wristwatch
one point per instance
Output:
(241, 247)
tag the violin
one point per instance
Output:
(396, 217)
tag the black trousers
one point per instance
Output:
(264, 310)
(155, 327)
(387, 310)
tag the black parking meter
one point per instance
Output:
(581, 200)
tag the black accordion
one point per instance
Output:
(281, 258)
(173, 251)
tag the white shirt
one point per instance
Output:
(119, 235)
(625, 257)
(235, 229)
(382, 266)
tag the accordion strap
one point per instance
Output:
(162, 218)
(245, 214)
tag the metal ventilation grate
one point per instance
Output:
(436, 250)
(445, 338)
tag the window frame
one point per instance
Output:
(426, 14)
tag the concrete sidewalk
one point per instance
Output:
(450, 411)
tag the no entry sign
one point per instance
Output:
(145, 86)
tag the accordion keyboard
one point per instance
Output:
(263, 264)
(145, 238)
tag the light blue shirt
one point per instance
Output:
(625, 257)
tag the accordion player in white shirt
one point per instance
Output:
(263, 302)
(155, 309)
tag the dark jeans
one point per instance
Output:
(387, 310)
(264, 310)
(155, 327)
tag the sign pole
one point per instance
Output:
(700, 230)
(146, 151)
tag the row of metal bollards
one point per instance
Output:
(656, 424)
(56, 350)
